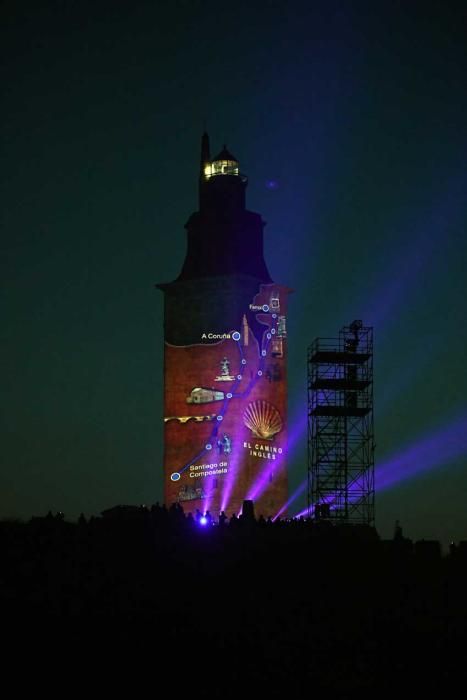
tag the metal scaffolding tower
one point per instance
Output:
(340, 427)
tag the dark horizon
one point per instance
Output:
(283, 604)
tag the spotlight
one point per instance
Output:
(203, 520)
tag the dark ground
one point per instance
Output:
(287, 608)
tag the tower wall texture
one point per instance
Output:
(225, 399)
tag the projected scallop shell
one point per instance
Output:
(263, 419)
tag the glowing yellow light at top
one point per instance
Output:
(221, 167)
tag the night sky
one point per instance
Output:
(350, 120)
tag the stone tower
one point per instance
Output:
(225, 393)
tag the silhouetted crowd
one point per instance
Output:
(291, 604)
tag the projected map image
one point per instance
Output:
(225, 413)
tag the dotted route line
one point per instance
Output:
(267, 335)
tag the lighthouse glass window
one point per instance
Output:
(224, 167)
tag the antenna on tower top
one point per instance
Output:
(205, 152)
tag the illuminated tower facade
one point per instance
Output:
(225, 386)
